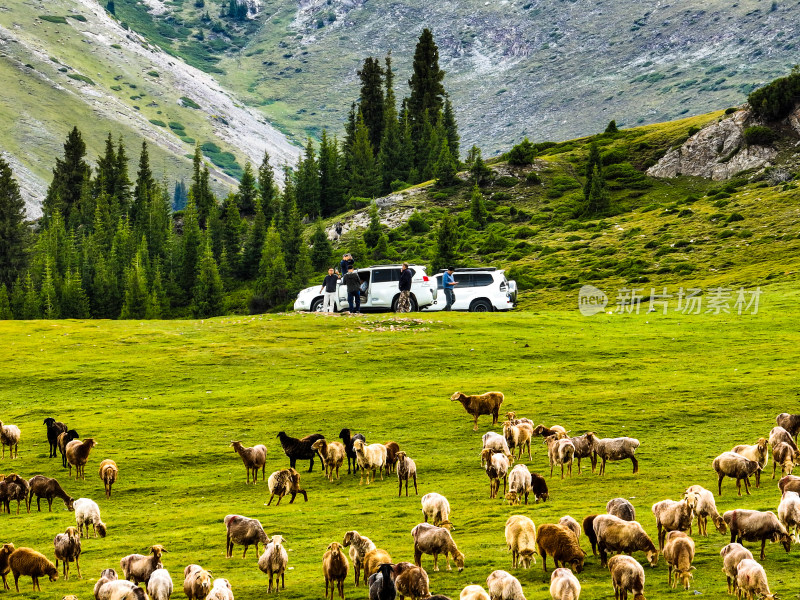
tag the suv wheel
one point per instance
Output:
(412, 301)
(481, 305)
(316, 304)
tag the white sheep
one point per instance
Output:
(518, 435)
(196, 582)
(520, 535)
(757, 453)
(473, 592)
(732, 555)
(497, 465)
(138, 567)
(571, 524)
(369, 459)
(789, 513)
(9, 436)
(564, 585)
(274, 561)
(702, 502)
(360, 545)
(751, 580)
(519, 484)
(160, 585)
(436, 508)
(496, 442)
(88, 513)
(502, 585)
(221, 590)
(120, 589)
(561, 452)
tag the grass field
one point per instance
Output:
(164, 399)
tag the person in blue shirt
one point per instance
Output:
(448, 283)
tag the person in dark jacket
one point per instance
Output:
(328, 291)
(347, 262)
(404, 301)
(353, 283)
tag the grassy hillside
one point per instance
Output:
(164, 399)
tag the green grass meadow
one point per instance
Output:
(164, 399)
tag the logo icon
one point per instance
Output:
(591, 300)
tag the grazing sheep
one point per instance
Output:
(5, 552)
(372, 560)
(496, 443)
(561, 452)
(348, 440)
(588, 531)
(121, 590)
(54, 429)
(484, 404)
(704, 506)
(274, 561)
(392, 448)
(546, 432)
(790, 423)
(473, 592)
(106, 575)
(254, 458)
(160, 585)
(429, 539)
(732, 555)
(518, 436)
(436, 508)
(413, 583)
(67, 549)
(520, 535)
(502, 585)
(539, 487)
(583, 449)
(62, 441)
(679, 555)
(627, 575)
(370, 459)
(359, 547)
(619, 507)
(758, 453)
(614, 449)
(138, 568)
(221, 590)
(736, 466)
(245, 532)
(617, 535)
(560, 543)
(672, 516)
(381, 583)
(9, 436)
(572, 525)
(285, 481)
(779, 434)
(196, 582)
(33, 564)
(332, 456)
(789, 513)
(299, 449)
(406, 469)
(751, 580)
(496, 468)
(78, 454)
(789, 483)
(564, 585)
(785, 456)
(49, 489)
(756, 526)
(108, 473)
(519, 484)
(88, 513)
(334, 568)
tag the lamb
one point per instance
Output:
(545, 432)
(735, 466)
(392, 448)
(88, 513)
(160, 585)
(49, 489)
(348, 440)
(108, 473)
(627, 575)
(619, 507)
(381, 583)
(68, 549)
(539, 487)
(9, 436)
(429, 539)
(413, 583)
(672, 516)
(496, 468)
(332, 456)
(679, 554)
(62, 441)
(518, 436)
(369, 458)
(359, 547)
(560, 543)
(755, 526)
(790, 423)
(299, 449)
(520, 535)
(106, 576)
(54, 429)
(564, 585)
(334, 568)
(614, 449)
(33, 564)
(785, 456)
(372, 560)
(704, 507)
(732, 555)
(406, 469)
(583, 449)
(436, 508)
(78, 454)
(779, 434)
(196, 582)
(588, 530)
(758, 453)
(138, 568)
(502, 585)
(789, 513)
(5, 551)
(221, 590)
(496, 443)
(254, 458)
(484, 404)
(274, 561)
(572, 525)
(473, 592)
(245, 532)
(789, 483)
(751, 580)
(285, 481)
(617, 535)
(519, 484)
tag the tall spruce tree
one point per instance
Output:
(69, 174)
(365, 178)
(451, 129)
(31, 307)
(208, 296)
(105, 177)
(321, 249)
(14, 234)
(272, 276)
(246, 194)
(158, 303)
(122, 183)
(427, 93)
(267, 189)
(371, 100)
(445, 168)
(477, 207)
(254, 244)
(594, 163)
(74, 303)
(446, 243)
(190, 249)
(232, 227)
(597, 203)
(5, 304)
(201, 188)
(308, 184)
(136, 299)
(141, 192)
(291, 231)
(393, 161)
(374, 230)
(330, 176)
(106, 299)
(49, 295)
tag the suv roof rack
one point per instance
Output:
(471, 269)
(392, 265)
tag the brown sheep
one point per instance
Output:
(77, 453)
(285, 481)
(5, 552)
(335, 568)
(736, 466)
(679, 554)
(560, 543)
(62, 440)
(617, 535)
(49, 489)
(372, 559)
(756, 452)
(412, 583)
(392, 448)
(789, 422)
(196, 582)
(485, 404)
(332, 456)
(429, 539)
(627, 575)
(254, 458)
(108, 473)
(33, 564)
(785, 456)
(68, 548)
(789, 483)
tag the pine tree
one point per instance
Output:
(302, 270)
(598, 201)
(371, 100)
(69, 174)
(393, 161)
(477, 207)
(201, 188)
(74, 302)
(122, 183)
(141, 192)
(445, 169)
(267, 189)
(321, 249)
(330, 176)
(522, 154)
(374, 230)
(208, 297)
(427, 91)
(451, 128)
(232, 226)
(246, 195)
(365, 178)
(190, 248)
(106, 299)
(48, 295)
(158, 227)
(254, 244)
(105, 177)
(446, 243)
(381, 249)
(477, 168)
(214, 231)
(272, 276)
(31, 307)
(179, 197)
(291, 232)
(5, 305)
(593, 163)
(308, 184)
(18, 298)
(358, 248)
(14, 234)
(612, 127)
(136, 299)
(349, 138)
(158, 303)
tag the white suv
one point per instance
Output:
(381, 291)
(479, 290)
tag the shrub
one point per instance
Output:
(500, 196)
(417, 223)
(153, 73)
(189, 103)
(188, 140)
(507, 181)
(613, 157)
(54, 19)
(726, 233)
(209, 147)
(398, 185)
(522, 154)
(734, 217)
(759, 135)
(777, 99)
(116, 88)
(692, 130)
(82, 78)
(158, 122)
(176, 125)
(80, 18)
(731, 110)
(533, 178)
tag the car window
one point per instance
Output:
(439, 282)
(382, 275)
(481, 279)
(463, 280)
(396, 274)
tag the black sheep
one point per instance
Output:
(539, 487)
(381, 584)
(63, 440)
(54, 429)
(299, 449)
(344, 435)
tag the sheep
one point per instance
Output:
(106, 575)
(561, 452)
(785, 456)
(108, 473)
(619, 507)
(518, 436)
(704, 507)
(519, 484)
(9, 436)
(299, 449)
(520, 535)
(790, 483)
(33, 564)
(779, 434)
(545, 432)
(572, 525)
(78, 454)
(13, 487)
(196, 582)
(274, 561)
(751, 580)
(120, 590)
(254, 458)
(5, 552)
(564, 585)
(245, 532)
(372, 560)
(221, 590)
(496, 443)
(560, 543)
(381, 583)
(138, 568)
(736, 466)
(285, 481)
(679, 554)
(539, 487)
(790, 423)
(473, 592)
(436, 508)
(160, 585)
(484, 404)
(392, 448)
(348, 440)
(672, 516)
(732, 555)
(332, 456)
(758, 453)
(62, 441)
(789, 513)
(617, 535)
(502, 585)
(88, 513)
(429, 539)
(334, 568)
(614, 449)
(413, 583)
(359, 547)
(583, 449)
(627, 575)
(54, 429)
(496, 468)
(406, 469)
(369, 458)
(68, 548)
(588, 531)
(49, 489)
(755, 526)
